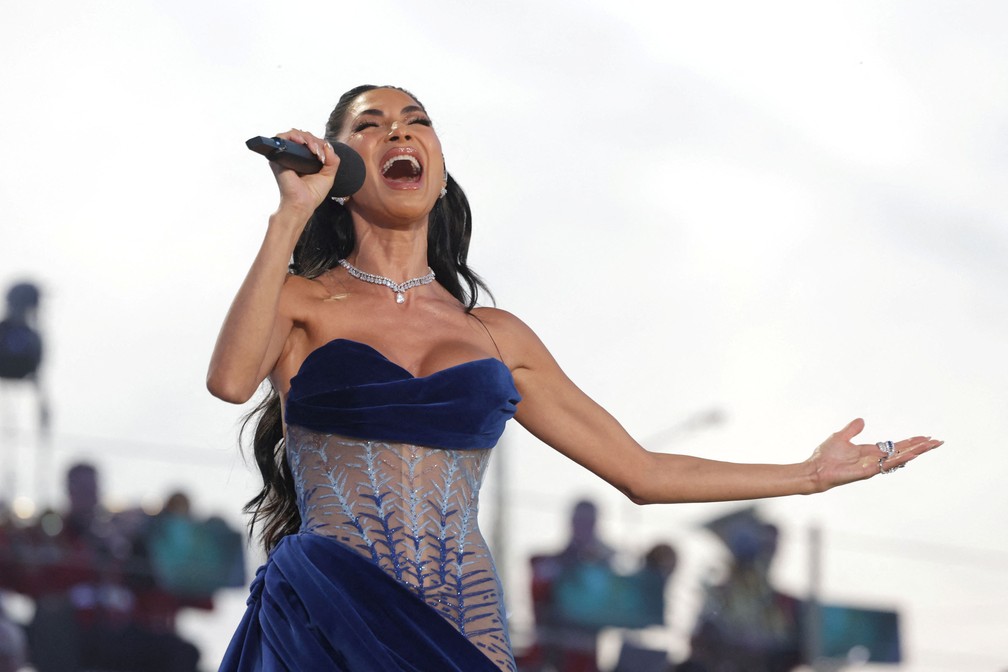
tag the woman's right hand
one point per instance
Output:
(258, 324)
(304, 193)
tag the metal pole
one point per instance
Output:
(813, 619)
(8, 485)
(43, 450)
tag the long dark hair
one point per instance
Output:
(327, 238)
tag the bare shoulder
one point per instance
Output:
(502, 323)
(298, 286)
(518, 344)
(301, 300)
(300, 294)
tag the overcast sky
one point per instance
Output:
(791, 213)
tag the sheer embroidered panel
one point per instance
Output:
(412, 511)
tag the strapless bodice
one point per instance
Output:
(390, 465)
(349, 388)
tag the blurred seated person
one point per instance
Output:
(746, 625)
(563, 643)
(158, 598)
(659, 564)
(638, 602)
(81, 571)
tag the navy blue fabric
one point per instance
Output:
(351, 389)
(317, 606)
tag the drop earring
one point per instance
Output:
(339, 199)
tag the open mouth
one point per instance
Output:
(402, 169)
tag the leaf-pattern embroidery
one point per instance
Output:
(412, 511)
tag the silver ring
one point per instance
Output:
(883, 470)
(886, 447)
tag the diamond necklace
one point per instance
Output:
(398, 288)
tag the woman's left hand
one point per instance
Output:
(838, 460)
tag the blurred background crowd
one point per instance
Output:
(794, 212)
(103, 589)
(99, 589)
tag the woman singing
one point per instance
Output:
(390, 387)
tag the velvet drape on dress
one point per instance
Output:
(316, 606)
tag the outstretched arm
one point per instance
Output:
(563, 416)
(256, 327)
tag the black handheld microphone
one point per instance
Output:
(297, 157)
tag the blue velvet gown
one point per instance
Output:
(389, 570)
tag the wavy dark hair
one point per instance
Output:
(327, 238)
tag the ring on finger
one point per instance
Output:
(883, 470)
(886, 447)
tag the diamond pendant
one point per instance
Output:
(399, 298)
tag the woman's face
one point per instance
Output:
(405, 166)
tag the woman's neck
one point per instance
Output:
(397, 254)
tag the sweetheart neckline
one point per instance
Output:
(382, 355)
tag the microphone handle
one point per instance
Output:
(292, 155)
(349, 176)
